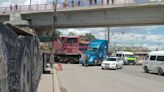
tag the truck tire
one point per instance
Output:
(146, 69)
(160, 71)
(95, 62)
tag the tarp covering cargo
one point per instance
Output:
(20, 60)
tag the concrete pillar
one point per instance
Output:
(16, 19)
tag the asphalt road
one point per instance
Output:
(75, 78)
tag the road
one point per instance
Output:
(75, 78)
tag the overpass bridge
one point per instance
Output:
(95, 15)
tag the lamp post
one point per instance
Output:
(108, 37)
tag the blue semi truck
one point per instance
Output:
(96, 53)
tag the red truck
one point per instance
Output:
(67, 49)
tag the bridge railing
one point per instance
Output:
(73, 4)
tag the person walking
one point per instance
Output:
(107, 2)
(95, 2)
(102, 1)
(16, 7)
(86, 61)
(65, 3)
(11, 7)
(72, 3)
(90, 2)
(79, 3)
(112, 1)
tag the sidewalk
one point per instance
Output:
(49, 82)
(46, 83)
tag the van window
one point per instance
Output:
(152, 57)
(118, 55)
(160, 58)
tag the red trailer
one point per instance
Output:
(66, 49)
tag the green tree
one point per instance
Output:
(72, 34)
(56, 33)
(89, 36)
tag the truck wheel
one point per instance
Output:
(95, 63)
(121, 66)
(146, 69)
(160, 72)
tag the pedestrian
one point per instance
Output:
(95, 2)
(65, 3)
(72, 3)
(11, 7)
(102, 1)
(87, 59)
(112, 1)
(16, 7)
(108, 2)
(79, 3)
(90, 2)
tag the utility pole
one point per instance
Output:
(158, 45)
(30, 5)
(108, 37)
(54, 15)
(30, 2)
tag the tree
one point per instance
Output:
(56, 33)
(89, 36)
(72, 34)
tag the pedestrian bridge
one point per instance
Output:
(90, 15)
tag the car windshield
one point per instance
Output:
(93, 49)
(111, 59)
(129, 56)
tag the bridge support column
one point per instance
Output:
(16, 19)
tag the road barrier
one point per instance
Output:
(20, 60)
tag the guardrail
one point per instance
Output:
(72, 4)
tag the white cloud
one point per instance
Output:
(125, 36)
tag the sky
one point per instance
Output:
(147, 36)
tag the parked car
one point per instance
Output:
(112, 63)
(154, 62)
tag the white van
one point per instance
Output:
(128, 57)
(154, 62)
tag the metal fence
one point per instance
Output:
(72, 4)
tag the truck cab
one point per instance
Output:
(97, 51)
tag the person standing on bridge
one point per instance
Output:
(16, 7)
(11, 7)
(102, 1)
(72, 3)
(65, 3)
(79, 3)
(112, 1)
(95, 2)
(90, 2)
(107, 2)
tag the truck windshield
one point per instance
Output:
(93, 49)
(129, 56)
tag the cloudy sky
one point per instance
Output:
(148, 36)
